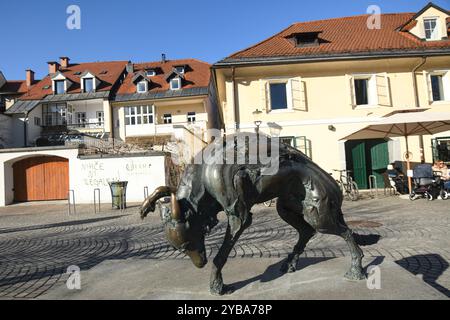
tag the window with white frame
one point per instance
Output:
(278, 96)
(167, 118)
(88, 85)
(100, 117)
(365, 90)
(150, 72)
(439, 86)
(191, 117)
(283, 94)
(147, 114)
(431, 28)
(60, 86)
(81, 118)
(175, 84)
(138, 115)
(180, 69)
(362, 91)
(142, 87)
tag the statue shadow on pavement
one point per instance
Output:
(367, 239)
(429, 266)
(273, 272)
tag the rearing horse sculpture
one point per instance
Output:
(309, 199)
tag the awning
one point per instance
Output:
(403, 125)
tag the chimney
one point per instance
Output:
(130, 67)
(30, 78)
(64, 61)
(53, 67)
(163, 58)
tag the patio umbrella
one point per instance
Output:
(403, 124)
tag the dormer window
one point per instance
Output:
(150, 73)
(60, 86)
(431, 28)
(88, 85)
(142, 87)
(180, 69)
(175, 84)
(307, 39)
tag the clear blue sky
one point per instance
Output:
(34, 32)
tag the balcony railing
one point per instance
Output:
(75, 126)
(86, 125)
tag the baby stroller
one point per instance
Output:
(396, 180)
(426, 184)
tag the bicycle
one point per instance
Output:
(348, 187)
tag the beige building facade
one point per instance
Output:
(318, 99)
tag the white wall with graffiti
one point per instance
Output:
(86, 174)
(141, 172)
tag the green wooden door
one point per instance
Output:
(359, 164)
(379, 155)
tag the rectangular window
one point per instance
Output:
(54, 114)
(431, 30)
(150, 73)
(81, 118)
(88, 85)
(290, 141)
(362, 91)
(167, 118)
(138, 115)
(60, 87)
(147, 114)
(191, 117)
(180, 69)
(175, 84)
(142, 87)
(278, 96)
(441, 149)
(100, 117)
(437, 87)
(37, 121)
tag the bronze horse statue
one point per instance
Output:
(309, 199)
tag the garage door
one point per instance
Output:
(41, 179)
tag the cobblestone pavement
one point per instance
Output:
(39, 242)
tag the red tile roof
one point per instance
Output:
(197, 75)
(114, 71)
(14, 86)
(341, 36)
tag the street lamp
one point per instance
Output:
(257, 114)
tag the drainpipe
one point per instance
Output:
(416, 93)
(25, 120)
(417, 105)
(235, 99)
